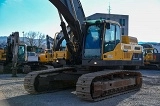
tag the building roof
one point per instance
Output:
(108, 14)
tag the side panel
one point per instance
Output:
(32, 57)
(45, 58)
(61, 55)
(123, 54)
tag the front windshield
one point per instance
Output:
(93, 41)
(93, 38)
(149, 50)
(63, 45)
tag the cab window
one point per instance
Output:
(111, 37)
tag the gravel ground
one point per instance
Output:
(12, 93)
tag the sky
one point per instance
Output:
(42, 16)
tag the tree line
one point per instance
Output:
(30, 38)
(34, 39)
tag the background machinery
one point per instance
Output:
(2, 58)
(47, 56)
(18, 56)
(2, 55)
(92, 46)
(49, 40)
(151, 56)
(16, 52)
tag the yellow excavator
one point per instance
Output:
(2, 55)
(151, 57)
(94, 60)
(2, 58)
(47, 56)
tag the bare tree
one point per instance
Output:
(34, 38)
(40, 39)
(30, 38)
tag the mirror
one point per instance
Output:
(107, 25)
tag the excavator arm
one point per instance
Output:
(72, 12)
(12, 51)
(49, 40)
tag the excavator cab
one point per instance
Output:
(150, 55)
(101, 37)
(104, 46)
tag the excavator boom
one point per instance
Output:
(72, 12)
(65, 7)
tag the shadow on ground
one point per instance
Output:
(63, 98)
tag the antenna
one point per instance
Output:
(109, 9)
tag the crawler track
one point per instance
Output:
(40, 81)
(104, 84)
(93, 86)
